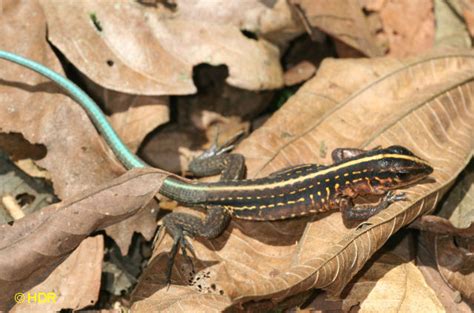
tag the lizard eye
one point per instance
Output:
(403, 175)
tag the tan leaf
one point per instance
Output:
(299, 73)
(84, 267)
(426, 261)
(133, 48)
(450, 31)
(455, 258)
(459, 205)
(424, 104)
(343, 20)
(37, 109)
(408, 25)
(34, 107)
(132, 116)
(35, 245)
(390, 282)
(456, 265)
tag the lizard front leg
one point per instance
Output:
(364, 211)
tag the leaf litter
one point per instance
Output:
(422, 102)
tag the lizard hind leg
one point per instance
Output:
(182, 225)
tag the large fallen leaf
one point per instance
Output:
(151, 50)
(424, 104)
(35, 245)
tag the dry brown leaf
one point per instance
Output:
(132, 116)
(216, 108)
(344, 20)
(36, 108)
(424, 104)
(390, 282)
(459, 205)
(34, 246)
(451, 31)
(83, 267)
(465, 8)
(30, 105)
(151, 50)
(455, 256)
(451, 299)
(409, 26)
(401, 289)
(456, 265)
(299, 73)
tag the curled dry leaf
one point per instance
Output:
(34, 246)
(150, 50)
(456, 265)
(454, 254)
(451, 299)
(344, 20)
(425, 104)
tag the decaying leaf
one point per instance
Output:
(451, 299)
(35, 245)
(151, 50)
(456, 265)
(424, 104)
(343, 20)
(455, 254)
(408, 26)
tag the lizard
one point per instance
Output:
(292, 192)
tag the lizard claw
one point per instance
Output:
(392, 197)
(179, 241)
(215, 149)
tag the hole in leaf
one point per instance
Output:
(249, 34)
(24, 199)
(110, 63)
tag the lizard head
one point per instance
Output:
(398, 167)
